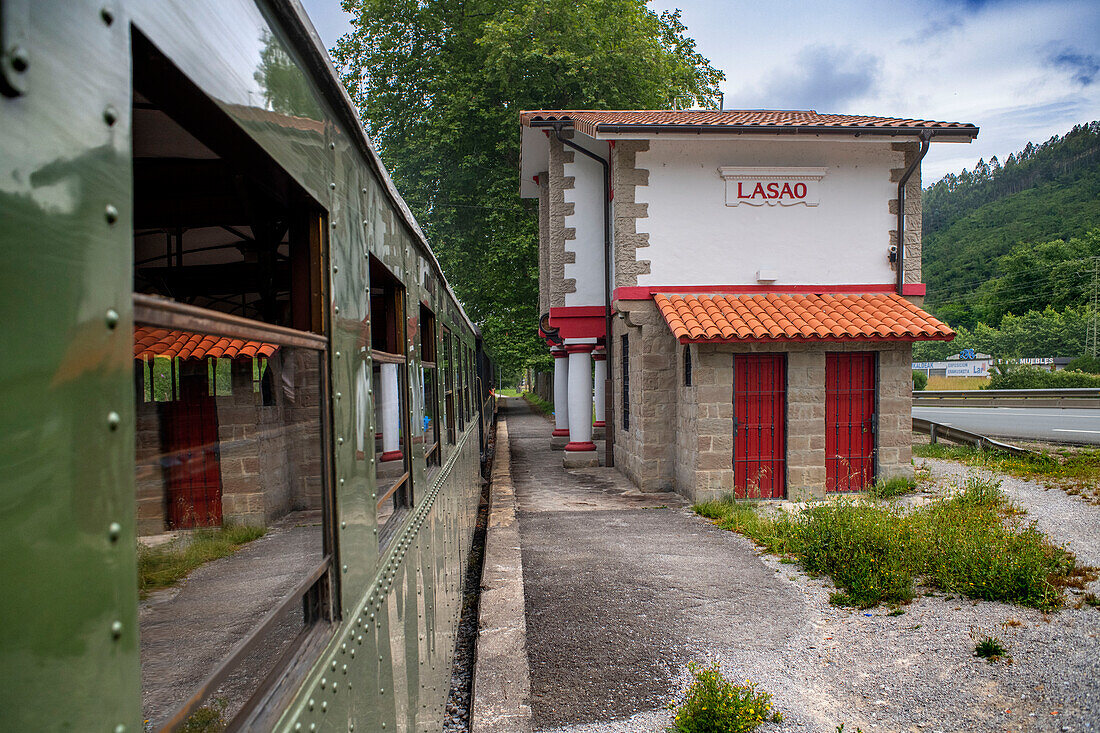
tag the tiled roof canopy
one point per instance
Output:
(150, 342)
(591, 122)
(797, 317)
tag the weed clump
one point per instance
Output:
(972, 544)
(714, 704)
(892, 488)
(165, 565)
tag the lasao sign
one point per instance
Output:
(771, 186)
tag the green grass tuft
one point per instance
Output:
(714, 704)
(990, 648)
(539, 404)
(165, 565)
(972, 543)
(892, 487)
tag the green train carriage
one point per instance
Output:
(219, 314)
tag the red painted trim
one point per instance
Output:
(560, 433)
(913, 289)
(599, 424)
(579, 447)
(579, 321)
(807, 340)
(602, 356)
(579, 348)
(392, 455)
(576, 311)
(645, 292)
(558, 353)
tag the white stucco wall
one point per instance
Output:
(587, 220)
(695, 239)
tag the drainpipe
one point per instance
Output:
(925, 140)
(609, 419)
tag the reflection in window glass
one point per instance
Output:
(448, 386)
(391, 465)
(229, 489)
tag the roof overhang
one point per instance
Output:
(939, 134)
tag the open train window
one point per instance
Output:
(430, 379)
(231, 393)
(449, 384)
(393, 490)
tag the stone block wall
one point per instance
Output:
(559, 235)
(682, 437)
(625, 178)
(912, 260)
(646, 451)
(544, 242)
(148, 474)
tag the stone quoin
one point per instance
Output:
(763, 293)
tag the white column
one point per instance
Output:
(391, 414)
(600, 357)
(561, 392)
(580, 397)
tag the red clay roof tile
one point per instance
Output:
(798, 317)
(591, 121)
(150, 342)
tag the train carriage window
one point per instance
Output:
(449, 385)
(430, 379)
(393, 486)
(233, 486)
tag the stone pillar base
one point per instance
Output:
(558, 442)
(599, 433)
(580, 459)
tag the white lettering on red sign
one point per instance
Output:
(758, 186)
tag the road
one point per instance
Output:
(1055, 425)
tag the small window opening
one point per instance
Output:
(430, 378)
(449, 385)
(687, 365)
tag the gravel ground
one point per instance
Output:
(603, 584)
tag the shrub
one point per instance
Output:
(713, 704)
(920, 381)
(1030, 377)
(972, 543)
(1086, 364)
(892, 487)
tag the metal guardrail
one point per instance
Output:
(1080, 397)
(939, 431)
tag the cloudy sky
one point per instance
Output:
(1022, 70)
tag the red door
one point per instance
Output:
(192, 457)
(759, 422)
(849, 421)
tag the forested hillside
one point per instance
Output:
(1016, 241)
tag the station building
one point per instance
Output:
(732, 296)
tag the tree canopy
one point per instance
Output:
(440, 84)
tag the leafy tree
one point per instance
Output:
(286, 89)
(440, 84)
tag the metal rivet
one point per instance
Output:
(340, 441)
(332, 146)
(19, 59)
(114, 531)
(311, 703)
(343, 525)
(339, 395)
(336, 308)
(120, 728)
(335, 268)
(113, 420)
(323, 683)
(337, 354)
(112, 318)
(111, 213)
(313, 726)
(297, 726)
(364, 190)
(324, 706)
(333, 225)
(107, 15)
(332, 186)
(345, 568)
(116, 629)
(110, 115)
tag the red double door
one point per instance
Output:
(849, 421)
(759, 428)
(190, 435)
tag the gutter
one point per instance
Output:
(925, 141)
(608, 395)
